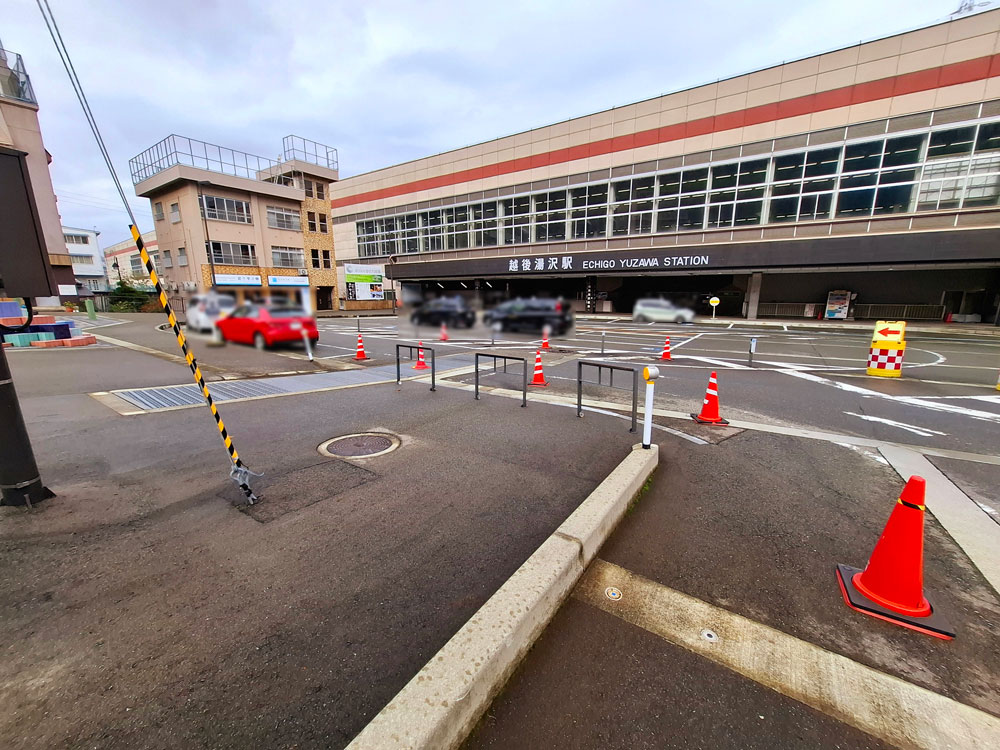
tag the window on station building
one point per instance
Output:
(589, 217)
(950, 144)
(136, 266)
(457, 222)
(550, 216)
(516, 220)
(668, 201)
(409, 237)
(387, 236)
(485, 223)
(431, 231)
(632, 212)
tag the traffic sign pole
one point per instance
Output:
(714, 302)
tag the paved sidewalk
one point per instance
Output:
(752, 526)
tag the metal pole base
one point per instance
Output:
(31, 495)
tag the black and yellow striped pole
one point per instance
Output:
(239, 473)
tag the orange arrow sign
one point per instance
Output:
(888, 332)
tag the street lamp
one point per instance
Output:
(118, 269)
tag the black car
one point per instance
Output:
(531, 315)
(452, 311)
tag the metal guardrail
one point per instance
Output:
(899, 312)
(601, 366)
(505, 358)
(412, 348)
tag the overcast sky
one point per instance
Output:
(386, 82)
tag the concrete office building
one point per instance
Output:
(873, 169)
(20, 132)
(248, 225)
(88, 260)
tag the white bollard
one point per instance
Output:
(305, 340)
(649, 374)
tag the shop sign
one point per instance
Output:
(238, 279)
(288, 281)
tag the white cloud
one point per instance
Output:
(386, 81)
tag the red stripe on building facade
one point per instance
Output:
(967, 71)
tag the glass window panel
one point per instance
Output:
(748, 213)
(939, 194)
(817, 186)
(670, 184)
(623, 190)
(619, 224)
(905, 150)
(666, 221)
(784, 209)
(723, 176)
(858, 180)
(723, 196)
(642, 222)
(750, 193)
(948, 143)
(788, 167)
(720, 215)
(982, 191)
(899, 175)
(855, 203)
(789, 188)
(691, 218)
(859, 156)
(822, 162)
(597, 194)
(694, 179)
(815, 207)
(642, 188)
(698, 199)
(989, 137)
(753, 172)
(893, 199)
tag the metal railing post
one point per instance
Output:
(433, 370)
(476, 358)
(635, 398)
(579, 388)
(399, 375)
(524, 382)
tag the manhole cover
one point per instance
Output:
(360, 445)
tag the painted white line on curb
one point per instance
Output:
(440, 705)
(963, 519)
(898, 712)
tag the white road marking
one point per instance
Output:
(685, 341)
(911, 400)
(925, 431)
(715, 362)
(893, 710)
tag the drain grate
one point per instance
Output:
(360, 445)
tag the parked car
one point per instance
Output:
(453, 311)
(531, 314)
(203, 310)
(267, 325)
(660, 311)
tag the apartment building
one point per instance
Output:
(251, 226)
(88, 260)
(124, 263)
(871, 171)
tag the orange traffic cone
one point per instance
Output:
(891, 587)
(666, 350)
(710, 407)
(444, 332)
(545, 337)
(361, 350)
(420, 365)
(539, 377)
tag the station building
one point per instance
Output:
(872, 170)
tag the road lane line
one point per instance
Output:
(685, 341)
(923, 431)
(898, 712)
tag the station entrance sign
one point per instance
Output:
(885, 357)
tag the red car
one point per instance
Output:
(266, 325)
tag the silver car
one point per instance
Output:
(660, 311)
(203, 310)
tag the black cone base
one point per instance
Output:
(934, 624)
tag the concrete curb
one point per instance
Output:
(440, 705)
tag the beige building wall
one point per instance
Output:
(19, 129)
(793, 98)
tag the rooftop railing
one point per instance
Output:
(177, 149)
(14, 80)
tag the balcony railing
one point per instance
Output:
(14, 80)
(176, 149)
